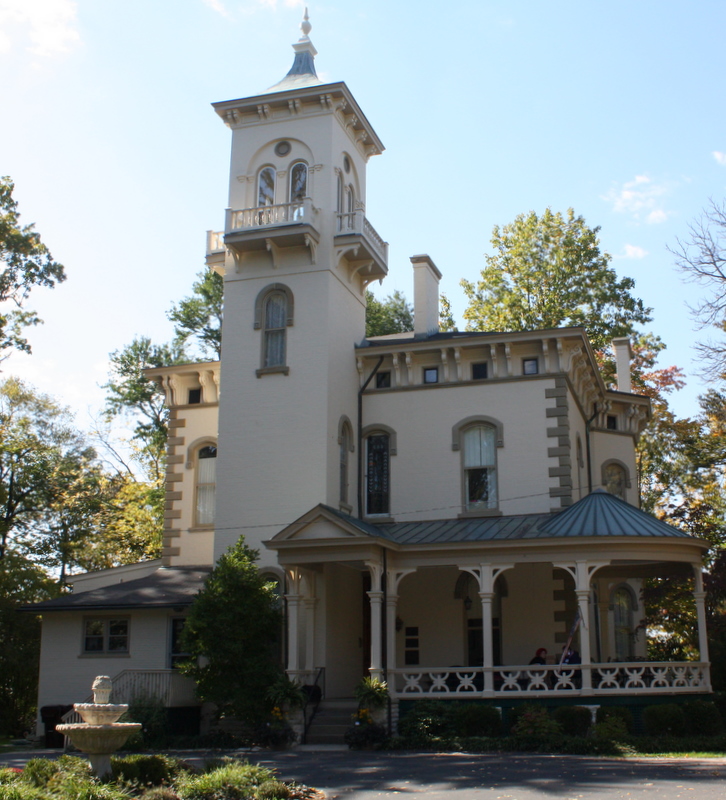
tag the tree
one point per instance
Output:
(25, 262)
(392, 315)
(702, 258)
(234, 625)
(548, 272)
(200, 315)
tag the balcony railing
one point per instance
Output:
(633, 678)
(355, 223)
(248, 219)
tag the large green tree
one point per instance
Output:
(199, 316)
(25, 262)
(548, 271)
(234, 627)
(392, 315)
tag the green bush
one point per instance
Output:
(426, 720)
(365, 737)
(39, 771)
(9, 775)
(160, 793)
(666, 719)
(273, 790)
(476, 719)
(21, 791)
(151, 712)
(533, 722)
(622, 713)
(574, 720)
(702, 718)
(146, 770)
(234, 781)
(612, 729)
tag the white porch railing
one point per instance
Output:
(131, 683)
(264, 216)
(355, 222)
(215, 242)
(634, 678)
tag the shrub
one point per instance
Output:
(39, 771)
(574, 720)
(149, 710)
(625, 715)
(365, 736)
(371, 693)
(428, 719)
(702, 718)
(20, 791)
(10, 775)
(146, 770)
(533, 722)
(273, 790)
(611, 729)
(666, 719)
(476, 719)
(234, 781)
(160, 793)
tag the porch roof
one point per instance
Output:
(165, 588)
(598, 514)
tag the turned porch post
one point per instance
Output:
(375, 597)
(700, 596)
(487, 636)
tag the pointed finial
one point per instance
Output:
(305, 25)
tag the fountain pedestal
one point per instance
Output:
(99, 735)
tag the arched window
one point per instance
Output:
(274, 333)
(615, 478)
(206, 482)
(623, 604)
(266, 187)
(378, 486)
(479, 458)
(339, 201)
(298, 182)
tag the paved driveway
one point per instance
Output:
(450, 776)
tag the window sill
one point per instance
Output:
(379, 519)
(484, 512)
(281, 370)
(105, 655)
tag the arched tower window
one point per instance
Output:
(378, 482)
(273, 315)
(266, 187)
(206, 483)
(298, 182)
(615, 478)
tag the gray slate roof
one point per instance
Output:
(165, 588)
(597, 514)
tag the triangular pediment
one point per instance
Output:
(323, 522)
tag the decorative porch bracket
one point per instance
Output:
(582, 573)
(486, 575)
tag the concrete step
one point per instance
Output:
(331, 721)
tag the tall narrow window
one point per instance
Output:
(339, 202)
(480, 478)
(275, 324)
(377, 474)
(298, 182)
(344, 461)
(623, 624)
(266, 187)
(206, 484)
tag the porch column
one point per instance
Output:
(583, 602)
(309, 604)
(487, 636)
(293, 632)
(700, 597)
(376, 600)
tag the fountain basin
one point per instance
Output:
(98, 739)
(97, 714)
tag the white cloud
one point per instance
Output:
(641, 198)
(48, 27)
(217, 6)
(633, 251)
(720, 157)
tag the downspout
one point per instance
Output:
(361, 459)
(587, 447)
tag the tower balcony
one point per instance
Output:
(358, 242)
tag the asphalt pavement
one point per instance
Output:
(355, 775)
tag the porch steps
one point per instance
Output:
(331, 721)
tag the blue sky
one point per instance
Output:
(487, 109)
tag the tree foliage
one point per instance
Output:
(546, 272)
(392, 315)
(701, 256)
(199, 316)
(25, 262)
(234, 626)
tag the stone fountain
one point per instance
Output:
(99, 735)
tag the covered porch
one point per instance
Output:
(458, 608)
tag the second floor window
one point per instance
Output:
(480, 475)
(377, 474)
(275, 325)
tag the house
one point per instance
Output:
(436, 506)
